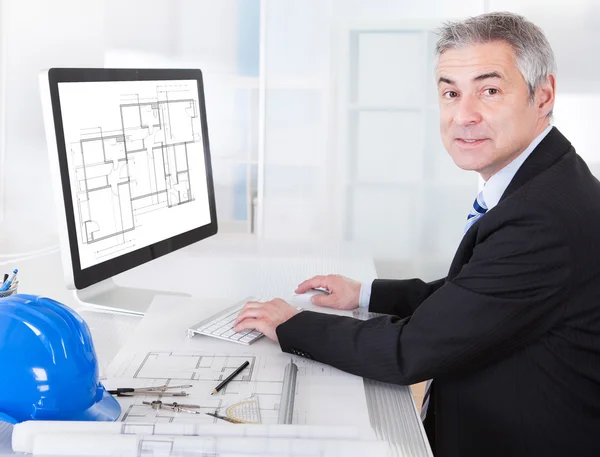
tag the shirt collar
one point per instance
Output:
(497, 184)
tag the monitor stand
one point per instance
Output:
(108, 297)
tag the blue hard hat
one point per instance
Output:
(48, 365)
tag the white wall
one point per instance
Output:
(37, 34)
(297, 72)
(140, 25)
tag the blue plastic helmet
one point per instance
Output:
(48, 365)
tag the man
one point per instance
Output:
(511, 336)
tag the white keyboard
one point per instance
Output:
(220, 325)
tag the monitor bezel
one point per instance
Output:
(83, 278)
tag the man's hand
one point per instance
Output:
(264, 317)
(344, 292)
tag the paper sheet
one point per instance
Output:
(320, 395)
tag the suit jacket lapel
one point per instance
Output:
(551, 148)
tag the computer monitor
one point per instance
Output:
(130, 159)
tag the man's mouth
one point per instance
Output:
(470, 141)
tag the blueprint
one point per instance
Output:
(276, 389)
(255, 394)
(136, 163)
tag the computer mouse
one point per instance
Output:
(305, 298)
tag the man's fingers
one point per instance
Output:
(250, 312)
(253, 304)
(325, 300)
(252, 324)
(247, 323)
(312, 283)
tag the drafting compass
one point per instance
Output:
(157, 404)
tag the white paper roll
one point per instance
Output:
(24, 433)
(48, 444)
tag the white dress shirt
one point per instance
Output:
(493, 189)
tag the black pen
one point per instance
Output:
(225, 418)
(5, 278)
(230, 377)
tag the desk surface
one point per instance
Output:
(230, 268)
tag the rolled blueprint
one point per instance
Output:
(24, 434)
(288, 393)
(171, 446)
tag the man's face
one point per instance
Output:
(486, 116)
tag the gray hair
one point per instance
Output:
(533, 54)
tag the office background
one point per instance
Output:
(323, 117)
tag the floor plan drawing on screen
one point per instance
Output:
(135, 160)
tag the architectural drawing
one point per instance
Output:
(133, 166)
(265, 390)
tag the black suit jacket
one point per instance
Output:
(511, 335)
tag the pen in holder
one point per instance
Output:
(11, 291)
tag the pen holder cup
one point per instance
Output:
(9, 292)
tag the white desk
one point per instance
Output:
(232, 268)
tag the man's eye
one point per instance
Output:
(491, 91)
(450, 94)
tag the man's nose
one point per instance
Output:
(468, 112)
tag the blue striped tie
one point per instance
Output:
(478, 210)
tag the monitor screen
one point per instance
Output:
(134, 164)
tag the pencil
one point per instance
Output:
(230, 377)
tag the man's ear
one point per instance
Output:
(544, 96)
